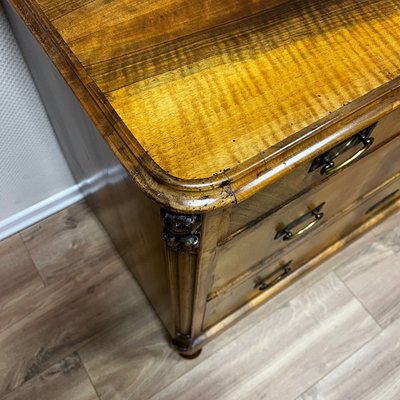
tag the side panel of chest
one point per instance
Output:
(132, 220)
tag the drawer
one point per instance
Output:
(306, 175)
(262, 239)
(265, 275)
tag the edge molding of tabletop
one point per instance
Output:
(223, 189)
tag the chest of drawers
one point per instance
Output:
(226, 148)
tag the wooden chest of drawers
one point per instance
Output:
(226, 148)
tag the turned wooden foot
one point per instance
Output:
(190, 356)
(183, 343)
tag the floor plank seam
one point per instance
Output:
(33, 260)
(88, 375)
(107, 389)
(359, 301)
(62, 357)
(299, 397)
(6, 394)
(251, 326)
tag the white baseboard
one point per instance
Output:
(39, 211)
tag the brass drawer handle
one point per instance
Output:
(326, 160)
(286, 232)
(330, 168)
(274, 278)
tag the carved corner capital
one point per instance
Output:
(182, 231)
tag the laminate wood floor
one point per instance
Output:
(75, 325)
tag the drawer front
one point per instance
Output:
(263, 277)
(302, 215)
(309, 174)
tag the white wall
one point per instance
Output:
(32, 167)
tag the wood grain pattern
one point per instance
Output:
(240, 293)
(127, 359)
(117, 201)
(275, 359)
(68, 245)
(65, 380)
(139, 26)
(204, 105)
(257, 241)
(131, 366)
(63, 321)
(372, 276)
(68, 312)
(199, 119)
(140, 366)
(19, 280)
(214, 225)
(253, 304)
(373, 372)
(253, 69)
(300, 179)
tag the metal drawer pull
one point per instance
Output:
(330, 168)
(274, 278)
(286, 232)
(326, 161)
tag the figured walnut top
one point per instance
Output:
(203, 87)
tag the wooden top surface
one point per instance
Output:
(199, 92)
